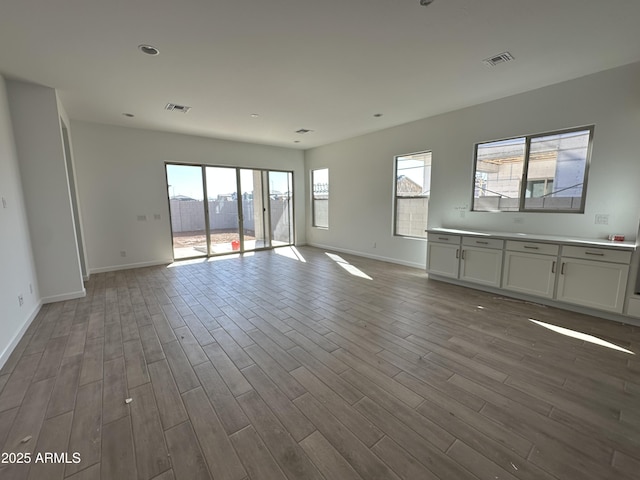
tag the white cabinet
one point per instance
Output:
(599, 284)
(588, 273)
(443, 253)
(481, 260)
(633, 309)
(530, 268)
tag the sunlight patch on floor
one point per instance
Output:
(216, 258)
(290, 252)
(352, 269)
(581, 336)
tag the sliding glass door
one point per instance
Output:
(281, 207)
(253, 210)
(224, 219)
(187, 209)
(245, 209)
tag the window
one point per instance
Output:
(320, 198)
(413, 184)
(546, 172)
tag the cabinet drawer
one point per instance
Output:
(441, 238)
(533, 247)
(600, 254)
(482, 242)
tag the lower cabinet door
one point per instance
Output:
(529, 273)
(442, 259)
(481, 265)
(599, 285)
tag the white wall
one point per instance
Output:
(121, 175)
(17, 268)
(73, 191)
(361, 169)
(36, 126)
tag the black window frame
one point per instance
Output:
(522, 188)
(314, 221)
(396, 159)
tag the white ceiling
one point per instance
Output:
(324, 65)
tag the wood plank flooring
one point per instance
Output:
(268, 367)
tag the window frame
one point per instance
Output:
(396, 196)
(314, 222)
(524, 179)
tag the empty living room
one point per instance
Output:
(319, 240)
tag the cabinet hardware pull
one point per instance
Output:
(553, 267)
(463, 254)
(594, 253)
(532, 248)
(443, 238)
(457, 253)
(562, 268)
(482, 243)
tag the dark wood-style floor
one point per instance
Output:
(265, 367)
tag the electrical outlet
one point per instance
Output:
(123, 253)
(156, 216)
(30, 288)
(602, 219)
(142, 218)
(518, 220)
(375, 244)
(20, 300)
(4, 202)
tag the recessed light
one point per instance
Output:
(130, 115)
(377, 115)
(296, 141)
(302, 131)
(254, 115)
(148, 49)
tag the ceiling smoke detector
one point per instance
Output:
(173, 107)
(498, 59)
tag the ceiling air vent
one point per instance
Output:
(498, 59)
(302, 131)
(177, 108)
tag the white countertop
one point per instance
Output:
(531, 237)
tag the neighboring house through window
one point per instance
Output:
(412, 189)
(545, 172)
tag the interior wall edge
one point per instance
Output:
(4, 356)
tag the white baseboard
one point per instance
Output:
(4, 356)
(368, 255)
(129, 266)
(67, 296)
